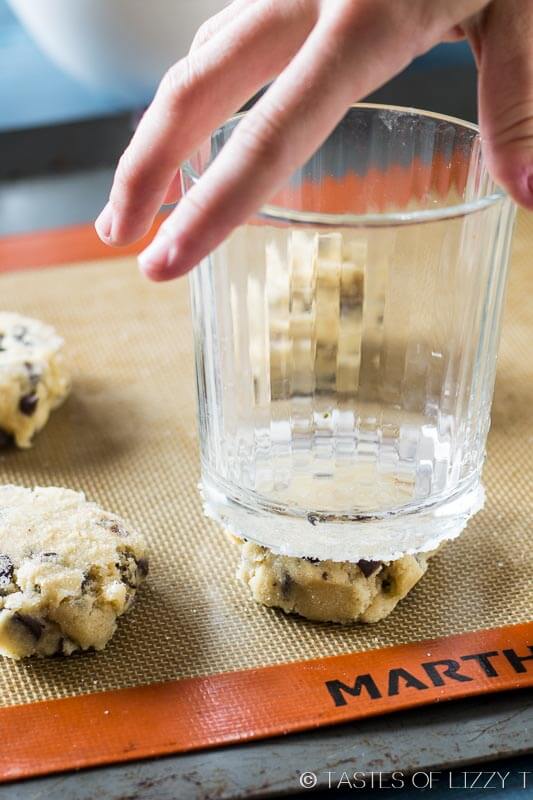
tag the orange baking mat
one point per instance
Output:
(196, 663)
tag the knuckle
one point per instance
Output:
(129, 185)
(125, 178)
(269, 8)
(513, 124)
(263, 137)
(179, 82)
(203, 34)
(196, 203)
(402, 21)
(349, 14)
(195, 210)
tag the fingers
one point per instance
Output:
(204, 33)
(344, 58)
(505, 58)
(196, 95)
(218, 21)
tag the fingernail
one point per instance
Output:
(157, 255)
(104, 223)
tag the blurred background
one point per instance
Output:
(75, 76)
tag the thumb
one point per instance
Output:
(503, 41)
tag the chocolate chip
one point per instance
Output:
(32, 624)
(113, 527)
(6, 569)
(325, 576)
(88, 581)
(46, 556)
(286, 585)
(142, 567)
(369, 567)
(311, 559)
(34, 374)
(6, 439)
(386, 585)
(28, 404)
(18, 332)
(127, 567)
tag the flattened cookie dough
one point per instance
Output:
(329, 591)
(33, 377)
(68, 569)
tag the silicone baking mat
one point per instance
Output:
(197, 646)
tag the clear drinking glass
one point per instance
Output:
(346, 340)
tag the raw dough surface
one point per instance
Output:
(68, 569)
(329, 591)
(33, 377)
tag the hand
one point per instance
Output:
(322, 55)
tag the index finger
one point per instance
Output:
(339, 62)
(196, 95)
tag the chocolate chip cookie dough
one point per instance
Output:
(68, 569)
(328, 591)
(33, 377)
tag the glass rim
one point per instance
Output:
(282, 214)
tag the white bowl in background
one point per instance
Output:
(120, 47)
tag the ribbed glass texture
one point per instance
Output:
(346, 339)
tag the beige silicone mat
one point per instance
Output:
(127, 437)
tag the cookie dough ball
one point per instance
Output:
(329, 591)
(68, 569)
(33, 377)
